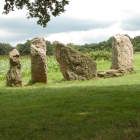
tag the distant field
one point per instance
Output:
(99, 109)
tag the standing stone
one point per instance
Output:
(122, 53)
(38, 61)
(14, 74)
(73, 64)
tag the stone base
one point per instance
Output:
(112, 73)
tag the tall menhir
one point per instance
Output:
(122, 53)
(38, 61)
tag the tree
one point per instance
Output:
(50, 48)
(40, 9)
(5, 48)
(24, 49)
(136, 43)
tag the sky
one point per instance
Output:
(84, 21)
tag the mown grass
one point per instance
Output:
(100, 109)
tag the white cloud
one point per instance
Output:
(101, 9)
(89, 36)
(4, 33)
(106, 18)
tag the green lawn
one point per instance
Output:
(100, 109)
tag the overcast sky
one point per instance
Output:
(85, 21)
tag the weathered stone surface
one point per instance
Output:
(14, 74)
(38, 60)
(122, 53)
(74, 65)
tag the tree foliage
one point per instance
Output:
(136, 43)
(40, 9)
(102, 49)
(5, 48)
(50, 48)
(24, 49)
(86, 48)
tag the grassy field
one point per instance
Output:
(100, 109)
(54, 74)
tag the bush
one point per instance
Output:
(99, 55)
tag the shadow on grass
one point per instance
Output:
(71, 113)
(29, 83)
(79, 89)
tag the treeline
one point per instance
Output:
(24, 48)
(105, 45)
(5, 48)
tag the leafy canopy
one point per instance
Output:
(40, 9)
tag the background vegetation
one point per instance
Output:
(101, 50)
